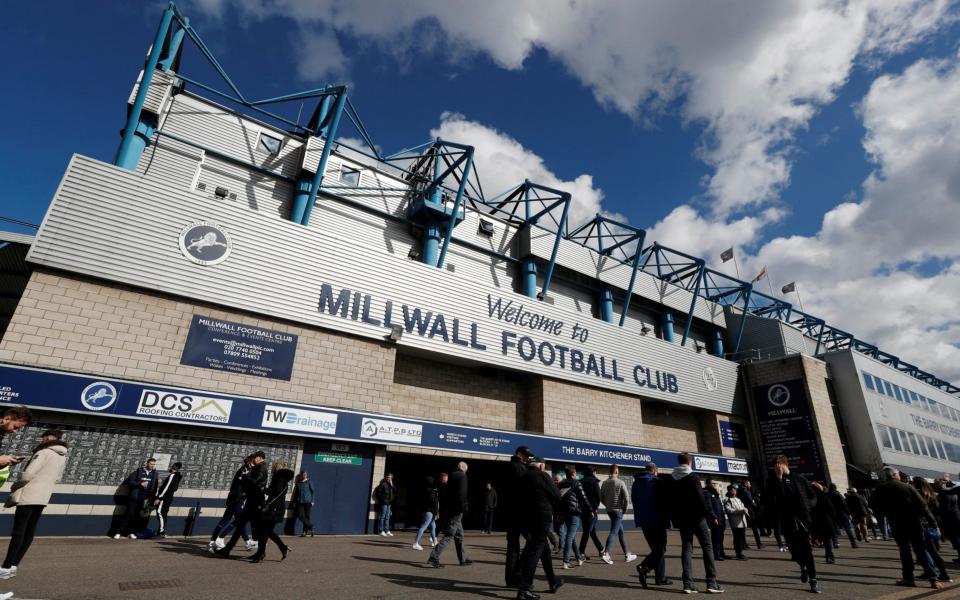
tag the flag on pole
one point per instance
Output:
(789, 288)
(760, 275)
(726, 254)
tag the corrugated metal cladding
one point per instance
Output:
(122, 226)
(159, 93)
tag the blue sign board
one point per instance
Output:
(786, 427)
(239, 348)
(54, 390)
(733, 435)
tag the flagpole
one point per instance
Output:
(796, 289)
(735, 265)
(770, 283)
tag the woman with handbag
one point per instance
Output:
(31, 494)
(272, 512)
(931, 530)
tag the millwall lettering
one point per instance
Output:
(355, 305)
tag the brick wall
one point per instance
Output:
(670, 428)
(590, 413)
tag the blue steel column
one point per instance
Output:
(743, 318)
(431, 243)
(693, 303)
(556, 246)
(305, 180)
(175, 44)
(457, 203)
(327, 147)
(136, 130)
(666, 325)
(606, 304)
(528, 277)
(717, 343)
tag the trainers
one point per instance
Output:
(252, 544)
(689, 589)
(783, 548)
(642, 574)
(714, 588)
(580, 562)
(433, 543)
(417, 547)
(211, 547)
(116, 536)
(566, 565)
(383, 534)
(7, 573)
(936, 585)
(220, 542)
(631, 557)
(433, 562)
(389, 534)
(133, 536)
(606, 558)
(814, 586)
(6, 596)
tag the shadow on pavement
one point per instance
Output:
(448, 585)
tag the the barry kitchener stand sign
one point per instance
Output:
(239, 348)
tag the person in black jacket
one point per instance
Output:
(572, 507)
(793, 502)
(272, 512)
(164, 496)
(539, 499)
(453, 503)
(690, 513)
(142, 484)
(745, 493)
(949, 506)
(489, 507)
(384, 495)
(234, 507)
(824, 521)
(252, 483)
(591, 489)
(515, 526)
(717, 519)
(842, 514)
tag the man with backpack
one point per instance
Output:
(572, 503)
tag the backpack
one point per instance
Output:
(571, 504)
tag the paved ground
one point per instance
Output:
(386, 568)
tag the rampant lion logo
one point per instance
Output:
(207, 240)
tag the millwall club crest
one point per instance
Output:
(205, 243)
(98, 396)
(778, 395)
(710, 379)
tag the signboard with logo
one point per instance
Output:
(786, 427)
(239, 348)
(54, 390)
(733, 435)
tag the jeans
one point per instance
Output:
(828, 545)
(739, 539)
(884, 527)
(848, 526)
(616, 531)
(25, 521)
(909, 536)
(428, 521)
(453, 530)
(386, 511)
(589, 522)
(536, 549)
(701, 531)
(225, 526)
(568, 537)
(657, 540)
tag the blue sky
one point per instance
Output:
(766, 126)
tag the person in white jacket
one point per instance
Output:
(31, 494)
(737, 517)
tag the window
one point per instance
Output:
(885, 437)
(269, 144)
(941, 453)
(868, 379)
(350, 176)
(914, 445)
(914, 398)
(896, 392)
(886, 384)
(895, 438)
(922, 442)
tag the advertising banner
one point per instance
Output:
(239, 348)
(55, 390)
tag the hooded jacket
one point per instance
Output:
(274, 504)
(385, 493)
(688, 505)
(36, 482)
(736, 512)
(303, 491)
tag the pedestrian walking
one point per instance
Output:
(430, 507)
(164, 496)
(539, 499)
(717, 519)
(253, 482)
(453, 504)
(31, 494)
(234, 507)
(571, 504)
(142, 486)
(12, 420)
(858, 509)
(931, 542)
(650, 508)
(793, 499)
(384, 495)
(303, 503)
(754, 518)
(614, 496)
(515, 470)
(906, 510)
(949, 506)
(591, 489)
(737, 517)
(824, 522)
(689, 513)
(272, 513)
(489, 507)
(842, 513)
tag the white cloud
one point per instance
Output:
(504, 163)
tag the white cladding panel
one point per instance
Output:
(277, 268)
(159, 93)
(936, 422)
(584, 260)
